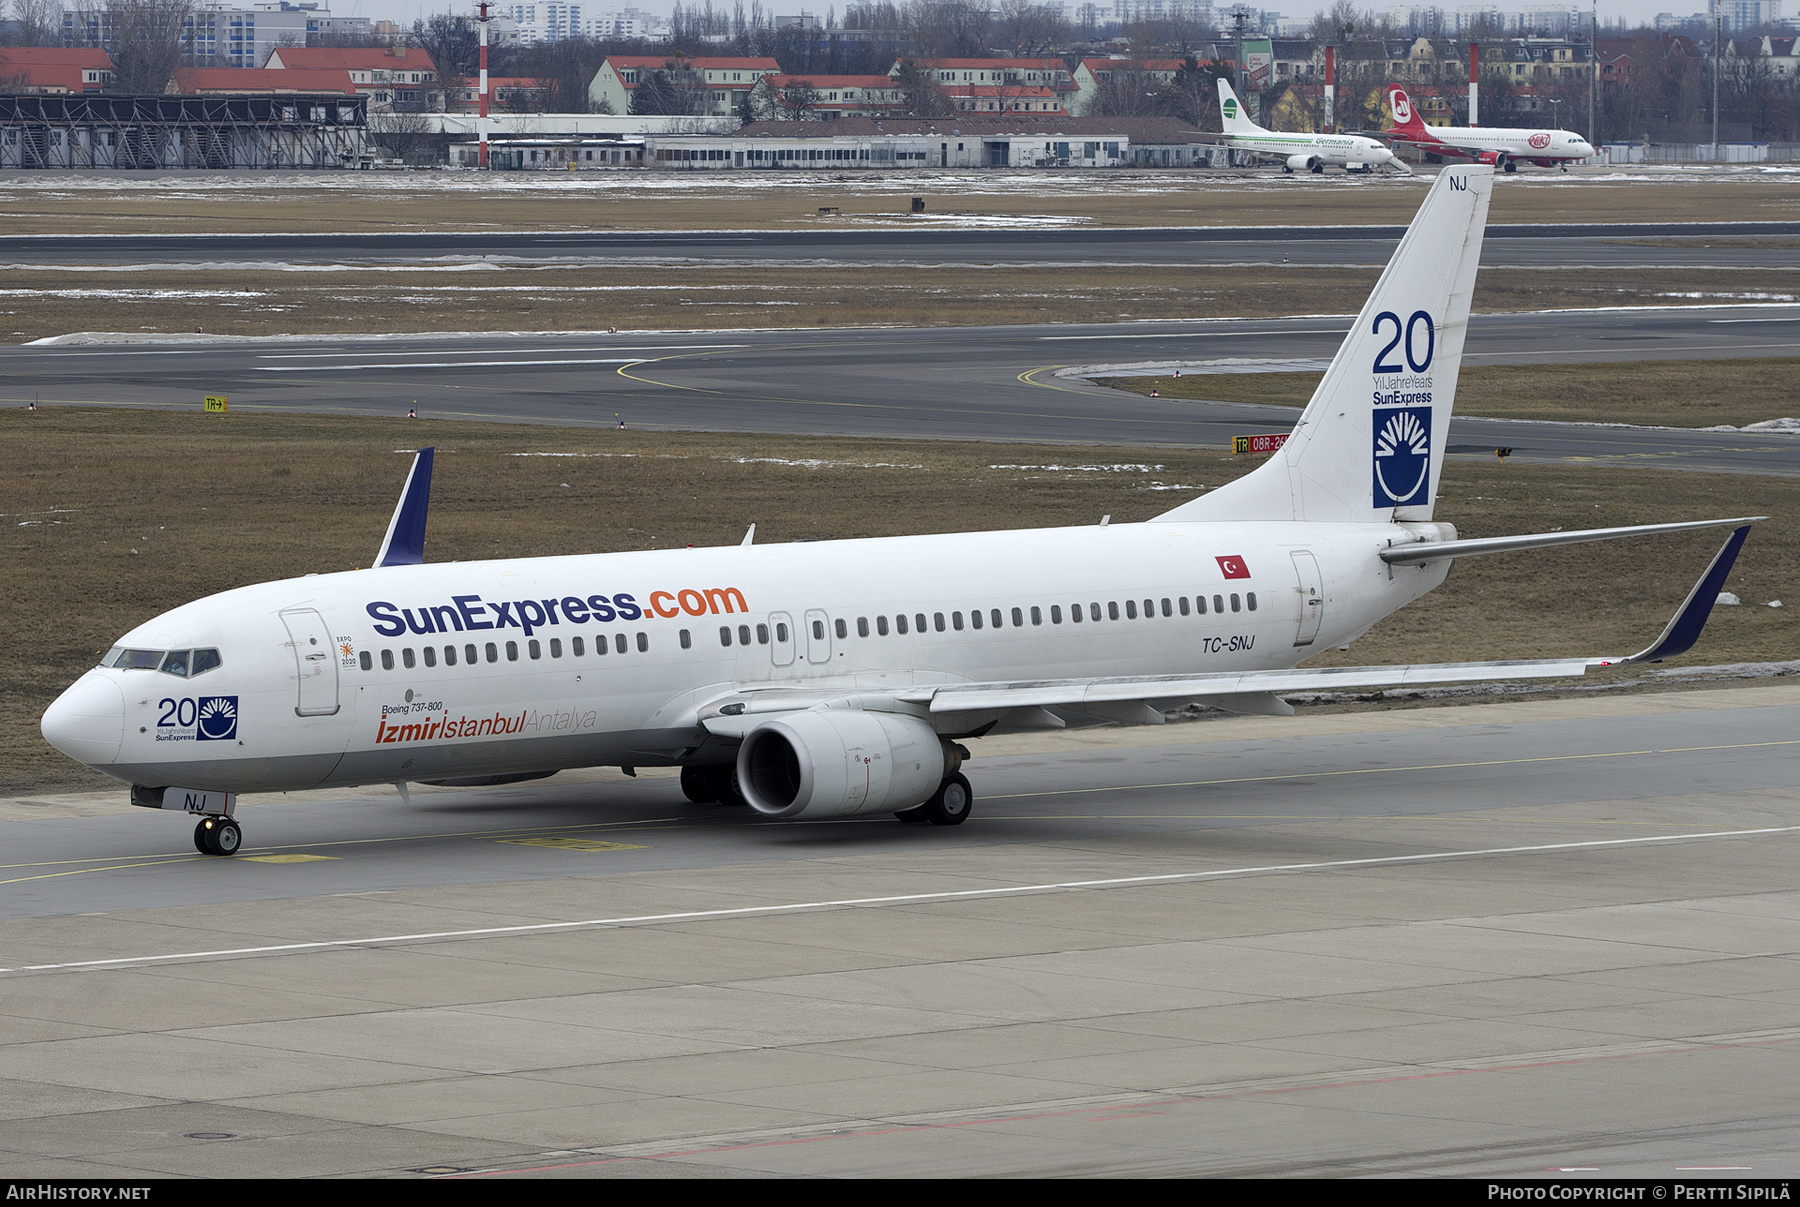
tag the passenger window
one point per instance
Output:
(743, 634)
(818, 627)
(512, 651)
(1200, 603)
(175, 662)
(974, 618)
(1167, 610)
(1037, 615)
(430, 653)
(533, 650)
(469, 654)
(843, 630)
(366, 662)
(1075, 613)
(781, 633)
(1250, 600)
(387, 660)
(1235, 606)
(577, 647)
(881, 626)
(204, 660)
(1218, 603)
(937, 621)
(1130, 610)
(687, 640)
(1149, 609)
(493, 652)
(725, 634)
(955, 621)
(862, 626)
(900, 624)
(643, 643)
(1094, 611)
(449, 655)
(556, 647)
(600, 646)
(919, 622)
(995, 617)
(762, 634)
(1055, 613)
(1184, 605)
(406, 658)
(1112, 609)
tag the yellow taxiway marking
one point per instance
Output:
(574, 844)
(287, 858)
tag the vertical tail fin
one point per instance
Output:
(1406, 118)
(1232, 118)
(1370, 445)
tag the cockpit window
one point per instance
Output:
(204, 660)
(175, 662)
(138, 660)
(182, 663)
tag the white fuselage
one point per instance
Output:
(326, 679)
(1337, 149)
(1535, 146)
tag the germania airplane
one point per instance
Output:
(832, 679)
(1309, 151)
(1504, 148)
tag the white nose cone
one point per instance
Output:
(87, 722)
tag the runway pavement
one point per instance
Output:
(1609, 245)
(983, 383)
(1491, 941)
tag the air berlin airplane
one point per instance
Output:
(1503, 148)
(840, 678)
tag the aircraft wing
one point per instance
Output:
(734, 715)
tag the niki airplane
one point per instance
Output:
(838, 678)
(1504, 148)
(1309, 151)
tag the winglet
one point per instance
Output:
(404, 544)
(1683, 630)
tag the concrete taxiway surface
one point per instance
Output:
(1483, 940)
(1608, 245)
(983, 383)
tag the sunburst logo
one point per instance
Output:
(1403, 457)
(217, 720)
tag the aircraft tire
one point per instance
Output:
(951, 804)
(1318, 167)
(724, 784)
(697, 786)
(912, 816)
(218, 836)
(1287, 169)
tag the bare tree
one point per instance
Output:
(151, 36)
(675, 88)
(405, 136)
(37, 23)
(920, 95)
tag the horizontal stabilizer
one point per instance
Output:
(404, 544)
(1433, 551)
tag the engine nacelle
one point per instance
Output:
(1296, 162)
(839, 762)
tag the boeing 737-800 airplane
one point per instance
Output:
(838, 678)
(1309, 151)
(1504, 148)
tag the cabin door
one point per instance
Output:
(1312, 597)
(315, 662)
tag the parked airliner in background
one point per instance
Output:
(1309, 151)
(1504, 148)
(838, 678)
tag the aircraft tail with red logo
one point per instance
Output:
(1407, 122)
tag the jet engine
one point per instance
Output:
(1311, 163)
(839, 762)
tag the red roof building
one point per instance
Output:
(251, 81)
(726, 82)
(52, 69)
(394, 77)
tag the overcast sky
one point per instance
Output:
(407, 11)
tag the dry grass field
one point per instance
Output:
(260, 301)
(111, 516)
(32, 203)
(1669, 393)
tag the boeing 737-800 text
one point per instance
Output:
(838, 678)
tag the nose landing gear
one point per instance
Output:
(218, 836)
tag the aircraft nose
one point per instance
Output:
(87, 722)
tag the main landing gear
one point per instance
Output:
(712, 785)
(950, 805)
(218, 836)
